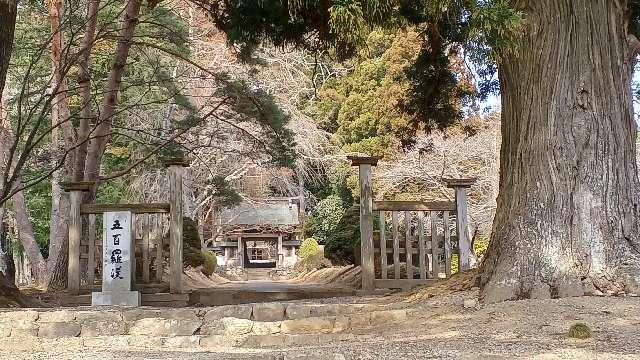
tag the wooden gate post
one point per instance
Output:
(366, 218)
(461, 187)
(75, 190)
(176, 169)
(240, 253)
(280, 256)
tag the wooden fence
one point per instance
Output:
(419, 238)
(156, 236)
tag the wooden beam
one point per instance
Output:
(400, 251)
(78, 185)
(461, 182)
(400, 283)
(254, 235)
(414, 205)
(155, 208)
(176, 161)
(363, 160)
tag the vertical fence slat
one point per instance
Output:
(434, 245)
(421, 247)
(447, 244)
(396, 245)
(383, 245)
(407, 241)
(91, 261)
(133, 248)
(146, 229)
(159, 243)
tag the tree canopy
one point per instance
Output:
(446, 31)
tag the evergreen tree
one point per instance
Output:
(567, 220)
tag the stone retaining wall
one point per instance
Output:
(251, 325)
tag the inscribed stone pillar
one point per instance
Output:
(117, 245)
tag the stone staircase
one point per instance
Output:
(257, 274)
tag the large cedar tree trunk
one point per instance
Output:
(567, 216)
(8, 12)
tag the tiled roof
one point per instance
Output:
(269, 213)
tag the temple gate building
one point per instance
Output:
(260, 235)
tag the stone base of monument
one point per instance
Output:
(112, 298)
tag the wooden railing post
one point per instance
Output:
(366, 218)
(280, 256)
(240, 253)
(176, 169)
(75, 190)
(461, 187)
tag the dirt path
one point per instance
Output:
(239, 292)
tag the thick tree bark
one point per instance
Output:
(60, 110)
(60, 114)
(4, 141)
(112, 89)
(8, 12)
(84, 88)
(567, 211)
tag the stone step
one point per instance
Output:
(157, 299)
(250, 325)
(254, 274)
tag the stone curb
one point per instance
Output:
(253, 325)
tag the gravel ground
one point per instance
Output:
(442, 328)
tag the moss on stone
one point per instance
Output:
(579, 331)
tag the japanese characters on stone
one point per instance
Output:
(117, 250)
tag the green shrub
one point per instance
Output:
(312, 262)
(340, 247)
(191, 247)
(579, 331)
(326, 218)
(309, 247)
(210, 262)
(481, 245)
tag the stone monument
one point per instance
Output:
(117, 271)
